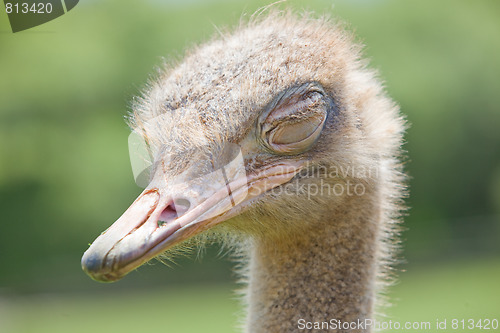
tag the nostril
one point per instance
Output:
(175, 209)
(168, 214)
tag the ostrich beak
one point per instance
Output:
(169, 212)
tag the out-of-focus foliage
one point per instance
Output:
(440, 61)
(66, 85)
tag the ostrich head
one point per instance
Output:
(256, 134)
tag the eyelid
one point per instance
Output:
(292, 106)
(300, 146)
(293, 121)
(285, 96)
(307, 126)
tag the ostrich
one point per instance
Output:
(279, 141)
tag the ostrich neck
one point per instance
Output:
(324, 275)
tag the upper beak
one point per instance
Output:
(169, 212)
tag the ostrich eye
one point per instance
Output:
(293, 122)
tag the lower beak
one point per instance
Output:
(161, 218)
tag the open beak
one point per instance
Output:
(169, 212)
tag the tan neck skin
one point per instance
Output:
(322, 275)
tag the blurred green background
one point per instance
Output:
(65, 176)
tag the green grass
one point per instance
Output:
(196, 309)
(461, 291)
(457, 291)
